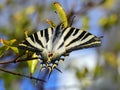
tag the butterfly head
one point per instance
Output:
(50, 55)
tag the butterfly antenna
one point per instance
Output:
(58, 70)
(72, 21)
(101, 36)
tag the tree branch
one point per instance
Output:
(19, 74)
(15, 60)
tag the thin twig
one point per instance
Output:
(15, 61)
(19, 74)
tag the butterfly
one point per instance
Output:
(54, 43)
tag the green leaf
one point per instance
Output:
(61, 13)
(26, 34)
(85, 21)
(32, 64)
(104, 22)
(3, 49)
(97, 71)
(15, 49)
(82, 74)
(9, 42)
(108, 4)
(111, 59)
(113, 19)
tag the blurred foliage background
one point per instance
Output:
(18, 16)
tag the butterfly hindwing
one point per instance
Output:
(75, 39)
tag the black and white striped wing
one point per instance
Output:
(60, 40)
(38, 41)
(75, 39)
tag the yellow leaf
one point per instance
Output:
(30, 10)
(50, 23)
(3, 49)
(61, 13)
(26, 34)
(15, 49)
(111, 58)
(108, 4)
(103, 21)
(113, 19)
(97, 70)
(1, 6)
(18, 16)
(85, 21)
(32, 64)
(82, 73)
(8, 42)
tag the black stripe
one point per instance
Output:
(78, 38)
(90, 41)
(41, 32)
(46, 35)
(69, 33)
(76, 31)
(52, 30)
(81, 35)
(61, 45)
(85, 45)
(38, 40)
(64, 30)
(30, 49)
(58, 27)
(56, 32)
(32, 38)
(28, 45)
(88, 34)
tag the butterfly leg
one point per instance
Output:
(43, 66)
(54, 65)
(51, 65)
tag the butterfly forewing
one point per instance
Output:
(38, 41)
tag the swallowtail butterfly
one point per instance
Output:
(53, 44)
